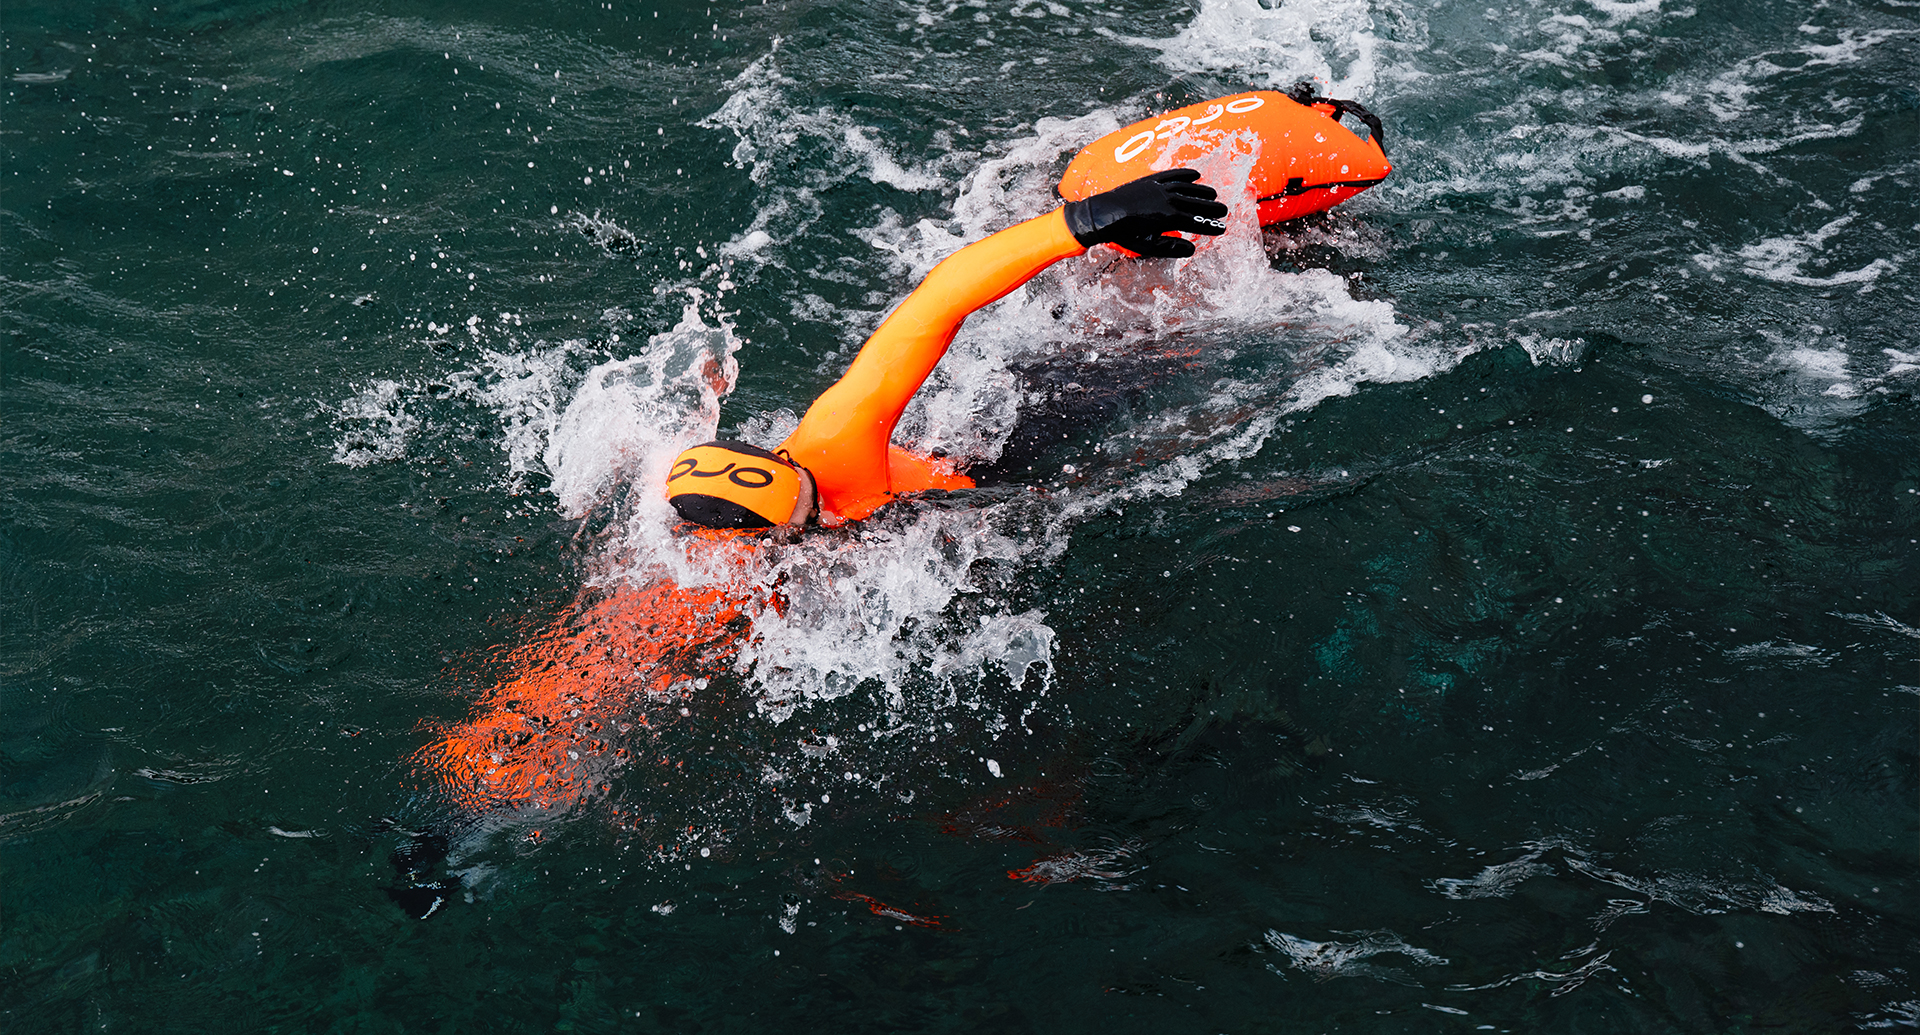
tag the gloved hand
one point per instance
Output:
(1137, 215)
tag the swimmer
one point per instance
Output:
(840, 464)
(549, 734)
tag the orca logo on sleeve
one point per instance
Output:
(723, 484)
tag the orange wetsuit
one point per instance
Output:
(845, 439)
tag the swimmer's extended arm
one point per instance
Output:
(843, 438)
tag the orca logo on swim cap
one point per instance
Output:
(724, 484)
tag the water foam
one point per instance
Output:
(1272, 46)
(792, 154)
(630, 417)
(521, 388)
(1569, 134)
(1550, 136)
(375, 424)
(1783, 259)
(1338, 959)
(1693, 894)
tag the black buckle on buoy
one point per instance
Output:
(1304, 92)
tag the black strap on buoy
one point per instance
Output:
(1303, 92)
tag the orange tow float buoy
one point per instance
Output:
(1308, 161)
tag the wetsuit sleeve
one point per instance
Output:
(843, 437)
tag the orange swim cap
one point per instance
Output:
(724, 484)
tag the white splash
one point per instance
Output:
(1706, 894)
(1785, 654)
(792, 154)
(525, 390)
(1338, 959)
(374, 424)
(1781, 259)
(1882, 621)
(629, 417)
(1541, 138)
(1496, 881)
(1621, 10)
(1694, 893)
(1276, 45)
(520, 386)
(1901, 362)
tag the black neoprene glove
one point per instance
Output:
(1137, 215)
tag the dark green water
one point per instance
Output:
(1493, 607)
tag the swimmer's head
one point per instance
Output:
(724, 484)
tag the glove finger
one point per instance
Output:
(1175, 176)
(1159, 246)
(1198, 207)
(1191, 190)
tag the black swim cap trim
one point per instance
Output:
(714, 512)
(742, 447)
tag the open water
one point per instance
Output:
(1493, 607)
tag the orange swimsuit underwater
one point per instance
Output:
(549, 734)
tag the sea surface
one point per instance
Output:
(1492, 606)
